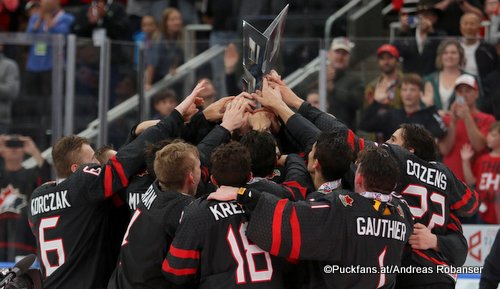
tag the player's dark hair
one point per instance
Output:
(419, 139)
(333, 154)
(65, 152)
(379, 170)
(150, 154)
(231, 164)
(262, 148)
(173, 163)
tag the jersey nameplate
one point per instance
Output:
(368, 226)
(50, 202)
(224, 210)
(427, 175)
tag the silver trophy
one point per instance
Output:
(260, 51)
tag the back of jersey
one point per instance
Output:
(73, 236)
(147, 239)
(211, 245)
(432, 192)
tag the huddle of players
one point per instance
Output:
(268, 228)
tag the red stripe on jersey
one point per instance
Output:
(465, 199)
(295, 184)
(184, 254)
(293, 261)
(455, 219)
(108, 182)
(119, 169)
(277, 220)
(178, 272)
(291, 192)
(361, 144)
(296, 239)
(350, 139)
(433, 260)
(452, 227)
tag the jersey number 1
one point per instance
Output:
(250, 251)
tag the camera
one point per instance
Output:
(14, 143)
(20, 276)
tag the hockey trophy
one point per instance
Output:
(260, 51)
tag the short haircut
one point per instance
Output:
(231, 164)
(416, 137)
(334, 155)
(173, 163)
(495, 126)
(262, 148)
(379, 170)
(150, 154)
(413, 78)
(440, 51)
(164, 94)
(65, 152)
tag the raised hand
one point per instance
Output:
(188, 105)
(466, 152)
(236, 114)
(231, 58)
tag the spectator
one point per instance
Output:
(385, 119)
(482, 58)
(52, 20)
(418, 45)
(485, 175)
(167, 53)
(344, 89)
(466, 124)
(439, 85)
(9, 89)
(147, 36)
(385, 87)
(164, 103)
(102, 18)
(10, 12)
(492, 11)
(16, 185)
(313, 98)
(453, 10)
(491, 97)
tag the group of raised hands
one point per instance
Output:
(242, 112)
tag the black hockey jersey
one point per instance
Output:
(211, 247)
(70, 220)
(148, 237)
(432, 191)
(352, 239)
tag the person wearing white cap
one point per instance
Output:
(466, 124)
(344, 90)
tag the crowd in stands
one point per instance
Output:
(441, 72)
